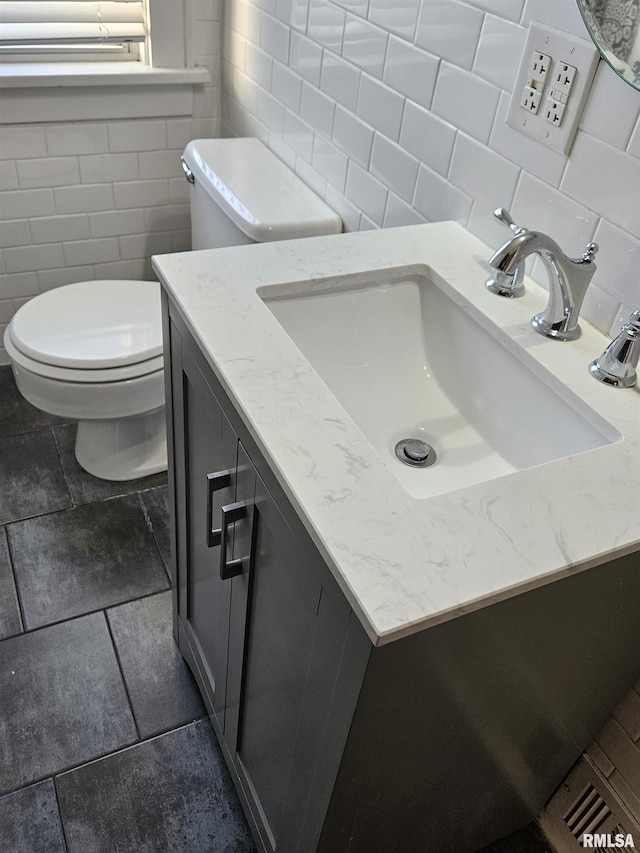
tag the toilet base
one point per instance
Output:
(125, 449)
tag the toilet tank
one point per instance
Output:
(240, 192)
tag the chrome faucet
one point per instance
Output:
(507, 284)
(568, 280)
(617, 364)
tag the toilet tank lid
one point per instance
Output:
(260, 195)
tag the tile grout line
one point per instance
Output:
(150, 527)
(39, 779)
(27, 631)
(62, 826)
(122, 675)
(73, 767)
(64, 470)
(73, 507)
(104, 756)
(23, 623)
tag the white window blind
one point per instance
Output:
(87, 25)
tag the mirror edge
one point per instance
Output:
(621, 68)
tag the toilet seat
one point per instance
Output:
(111, 326)
(82, 375)
(91, 351)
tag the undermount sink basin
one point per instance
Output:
(406, 361)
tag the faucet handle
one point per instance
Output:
(617, 364)
(503, 215)
(590, 252)
(634, 321)
(502, 283)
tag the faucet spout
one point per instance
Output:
(568, 280)
(518, 248)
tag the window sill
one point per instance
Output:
(78, 74)
(58, 92)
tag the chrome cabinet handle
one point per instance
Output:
(230, 514)
(215, 482)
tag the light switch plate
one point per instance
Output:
(566, 52)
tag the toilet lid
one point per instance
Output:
(91, 324)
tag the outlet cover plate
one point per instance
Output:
(563, 49)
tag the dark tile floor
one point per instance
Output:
(104, 741)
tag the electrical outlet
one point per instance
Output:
(538, 70)
(563, 78)
(530, 100)
(554, 112)
(562, 66)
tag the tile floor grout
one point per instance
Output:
(15, 587)
(62, 830)
(26, 631)
(72, 767)
(122, 675)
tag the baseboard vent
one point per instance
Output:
(585, 804)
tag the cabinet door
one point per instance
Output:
(210, 464)
(266, 643)
(293, 637)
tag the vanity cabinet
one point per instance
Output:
(442, 741)
(264, 628)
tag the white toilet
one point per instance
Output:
(92, 351)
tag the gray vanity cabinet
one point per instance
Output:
(442, 741)
(266, 643)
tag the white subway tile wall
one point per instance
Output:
(95, 199)
(394, 112)
(401, 119)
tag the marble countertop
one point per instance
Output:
(406, 564)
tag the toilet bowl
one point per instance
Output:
(92, 351)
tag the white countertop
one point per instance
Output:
(406, 564)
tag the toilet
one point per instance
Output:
(92, 351)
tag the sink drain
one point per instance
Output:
(414, 452)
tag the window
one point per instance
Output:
(39, 38)
(85, 30)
